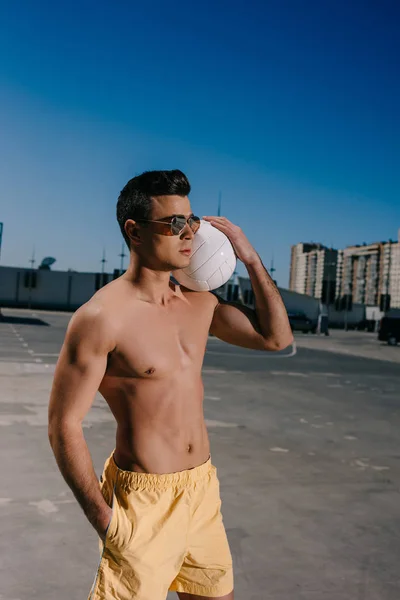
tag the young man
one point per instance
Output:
(140, 341)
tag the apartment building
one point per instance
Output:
(299, 266)
(370, 274)
(394, 278)
(363, 274)
(358, 273)
(313, 271)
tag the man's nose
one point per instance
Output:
(187, 233)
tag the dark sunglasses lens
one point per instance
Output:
(194, 223)
(177, 224)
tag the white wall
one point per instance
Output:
(51, 286)
(294, 302)
(66, 290)
(352, 317)
(8, 285)
(82, 287)
(54, 289)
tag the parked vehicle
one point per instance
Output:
(300, 322)
(389, 330)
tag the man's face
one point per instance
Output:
(163, 252)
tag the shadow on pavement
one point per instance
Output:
(22, 321)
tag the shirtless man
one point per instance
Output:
(140, 341)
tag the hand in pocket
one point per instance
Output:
(104, 523)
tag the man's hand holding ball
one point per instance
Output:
(243, 249)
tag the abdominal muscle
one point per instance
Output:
(160, 423)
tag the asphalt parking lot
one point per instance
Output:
(307, 451)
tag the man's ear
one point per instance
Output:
(132, 231)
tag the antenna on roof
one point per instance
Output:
(32, 260)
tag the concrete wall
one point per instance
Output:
(351, 317)
(312, 308)
(61, 290)
(294, 302)
(65, 290)
(8, 286)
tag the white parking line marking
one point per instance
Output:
(213, 423)
(250, 355)
(380, 468)
(45, 506)
(288, 374)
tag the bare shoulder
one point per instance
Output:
(92, 325)
(105, 314)
(91, 314)
(201, 299)
(103, 308)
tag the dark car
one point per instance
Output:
(389, 329)
(300, 322)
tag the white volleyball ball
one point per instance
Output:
(212, 262)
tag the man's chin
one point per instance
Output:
(183, 263)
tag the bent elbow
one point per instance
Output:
(278, 344)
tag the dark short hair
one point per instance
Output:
(134, 201)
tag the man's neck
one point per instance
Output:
(151, 286)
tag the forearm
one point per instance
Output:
(270, 310)
(75, 463)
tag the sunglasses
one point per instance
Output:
(174, 225)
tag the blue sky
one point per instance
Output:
(290, 108)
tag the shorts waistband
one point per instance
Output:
(134, 480)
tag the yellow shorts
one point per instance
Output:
(166, 533)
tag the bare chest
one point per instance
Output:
(158, 343)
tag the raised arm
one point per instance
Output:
(265, 328)
(79, 372)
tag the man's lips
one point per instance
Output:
(187, 252)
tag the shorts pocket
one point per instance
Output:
(110, 531)
(108, 491)
(120, 529)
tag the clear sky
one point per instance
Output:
(290, 108)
